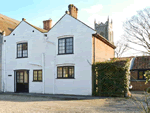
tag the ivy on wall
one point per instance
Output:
(111, 78)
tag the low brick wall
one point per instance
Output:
(139, 85)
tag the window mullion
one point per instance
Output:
(37, 75)
(65, 45)
(62, 73)
(68, 72)
(22, 50)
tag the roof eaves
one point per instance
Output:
(57, 22)
(104, 40)
(82, 22)
(39, 29)
(14, 29)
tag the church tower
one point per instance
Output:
(105, 29)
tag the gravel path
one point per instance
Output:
(29, 104)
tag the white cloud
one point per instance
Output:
(93, 9)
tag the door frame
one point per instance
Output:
(15, 79)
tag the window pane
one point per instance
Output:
(19, 47)
(59, 72)
(71, 71)
(65, 71)
(25, 77)
(40, 75)
(25, 54)
(140, 74)
(21, 75)
(25, 46)
(61, 44)
(35, 75)
(17, 80)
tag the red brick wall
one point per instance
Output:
(138, 85)
(102, 51)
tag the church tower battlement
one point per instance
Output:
(105, 29)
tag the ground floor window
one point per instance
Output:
(65, 72)
(37, 75)
(141, 74)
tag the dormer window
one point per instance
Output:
(22, 50)
(65, 45)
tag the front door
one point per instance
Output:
(22, 81)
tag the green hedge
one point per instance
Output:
(111, 78)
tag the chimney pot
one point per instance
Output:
(23, 19)
(47, 24)
(67, 12)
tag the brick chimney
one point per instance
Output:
(47, 24)
(73, 10)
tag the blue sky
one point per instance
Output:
(35, 11)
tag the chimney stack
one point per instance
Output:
(47, 24)
(23, 19)
(73, 10)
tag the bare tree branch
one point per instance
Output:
(137, 30)
(121, 47)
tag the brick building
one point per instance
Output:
(140, 64)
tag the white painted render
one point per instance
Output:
(43, 54)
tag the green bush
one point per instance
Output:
(112, 78)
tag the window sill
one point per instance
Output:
(21, 57)
(66, 54)
(65, 78)
(36, 81)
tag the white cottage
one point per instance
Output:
(56, 60)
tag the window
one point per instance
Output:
(37, 75)
(141, 74)
(65, 72)
(65, 45)
(22, 50)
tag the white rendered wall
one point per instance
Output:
(82, 41)
(37, 45)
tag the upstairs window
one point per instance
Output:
(22, 50)
(65, 45)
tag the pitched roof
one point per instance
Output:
(141, 62)
(7, 24)
(104, 40)
(39, 29)
(74, 18)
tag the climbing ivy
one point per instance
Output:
(111, 78)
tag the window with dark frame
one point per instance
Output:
(65, 45)
(65, 72)
(22, 50)
(141, 75)
(37, 75)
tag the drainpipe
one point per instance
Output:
(43, 71)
